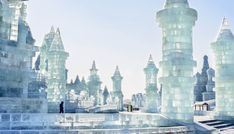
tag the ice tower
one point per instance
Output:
(94, 84)
(152, 96)
(52, 64)
(177, 20)
(223, 49)
(117, 89)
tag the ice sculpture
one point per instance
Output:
(94, 84)
(105, 96)
(117, 89)
(223, 49)
(52, 64)
(201, 81)
(20, 90)
(177, 20)
(209, 94)
(152, 96)
(15, 54)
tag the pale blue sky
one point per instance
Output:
(119, 32)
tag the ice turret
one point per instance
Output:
(77, 80)
(209, 94)
(105, 95)
(94, 84)
(44, 50)
(52, 64)
(202, 79)
(223, 49)
(117, 89)
(152, 96)
(177, 20)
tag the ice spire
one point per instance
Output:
(105, 95)
(151, 62)
(93, 66)
(105, 92)
(150, 59)
(225, 31)
(52, 29)
(225, 24)
(77, 81)
(83, 80)
(117, 72)
(58, 31)
(151, 72)
(205, 65)
(57, 43)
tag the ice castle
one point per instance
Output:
(30, 97)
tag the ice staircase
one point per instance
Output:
(220, 125)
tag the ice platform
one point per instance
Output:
(88, 123)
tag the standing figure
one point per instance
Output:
(61, 107)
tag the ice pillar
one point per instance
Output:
(177, 20)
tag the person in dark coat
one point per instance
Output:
(61, 107)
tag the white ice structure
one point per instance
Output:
(94, 85)
(52, 65)
(17, 50)
(152, 94)
(177, 20)
(223, 49)
(117, 95)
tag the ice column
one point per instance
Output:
(152, 96)
(94, 84)
(223, 49)
(177, 20)
(117, 88)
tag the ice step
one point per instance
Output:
(220, 125)
(227, 128)
(208, 121)
(223, 126)
(214, 123)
